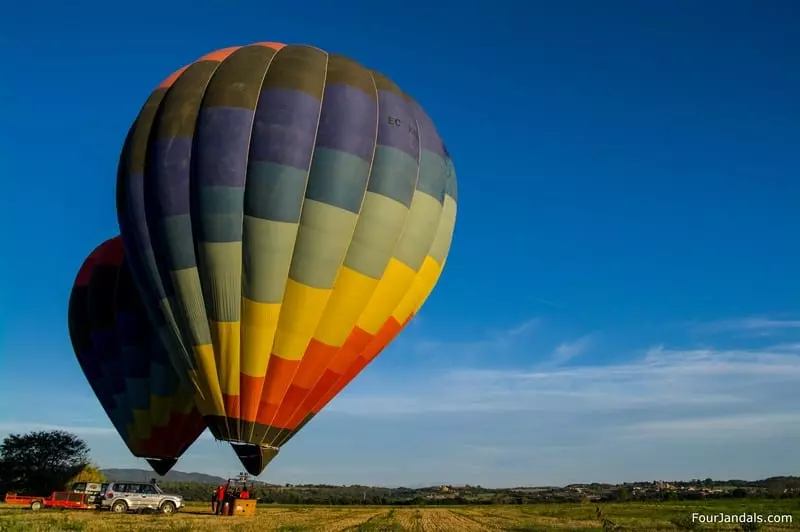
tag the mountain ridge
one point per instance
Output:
(144, 475)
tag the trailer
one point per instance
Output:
(57, 499)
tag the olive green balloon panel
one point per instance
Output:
(126, 364)
(286, 212)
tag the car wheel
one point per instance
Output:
(119, 507)
(36, 506)
(168, 507)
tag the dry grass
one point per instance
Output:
(639, 517)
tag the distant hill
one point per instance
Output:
(143, 475)
(198, 486)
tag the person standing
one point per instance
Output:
(229, 497)
(214, 500)
(221, 497)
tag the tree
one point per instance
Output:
(41, 462)
(623, 494)
(89, 473)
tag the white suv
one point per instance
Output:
(121, 497)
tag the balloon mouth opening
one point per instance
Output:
(254, 458)
(161, 465)
(246, 439)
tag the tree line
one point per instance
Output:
(471, 495)
(39, 463)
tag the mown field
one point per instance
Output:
(635, 516)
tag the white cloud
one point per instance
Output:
(678, 391)
(664, 413)
(751, 324)
(481, 417)
(492, 344)
(548, 303)
(766, 425)
(518, 330)
(566, 351)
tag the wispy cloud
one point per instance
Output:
(675, 390)
(737, 426)
(472, 349)
(752, 324)
(491, 450)
(659, 413)
(547, 413)
(548, 303)
(566, 351)
(518, 330)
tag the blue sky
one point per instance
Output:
(621, 299)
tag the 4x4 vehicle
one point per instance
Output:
(121, 497)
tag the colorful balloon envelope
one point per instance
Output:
(126, 364)
(286, 212)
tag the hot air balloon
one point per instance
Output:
(286, 212)
(126, 364)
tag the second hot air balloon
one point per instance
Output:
(125, 363)
(286, 212)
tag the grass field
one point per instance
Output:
(635, 516)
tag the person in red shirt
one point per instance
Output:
(221, 497)
(244, 493)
